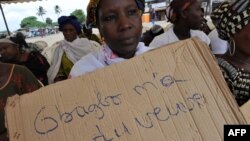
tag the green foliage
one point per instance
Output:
(55, 24)
(48, 21)
(79, 14)
(31, 22)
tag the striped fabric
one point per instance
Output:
(231, 17)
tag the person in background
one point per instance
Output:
(186, 16)
(234, 26)
(218, 46)
(11, 50)
(89, 34)
(28, 47)
(204, 24)
(120, 23)
(150, 34)
(14, 79)
(153, 16)
(68, 51)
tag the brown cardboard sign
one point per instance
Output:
(175, 92)
(245, 109)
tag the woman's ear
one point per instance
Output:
(184, 14)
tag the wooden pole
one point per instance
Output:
(4, 19)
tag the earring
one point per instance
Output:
(231, 47)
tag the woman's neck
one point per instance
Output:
(127, 56)
(240, 60)
(181, 31)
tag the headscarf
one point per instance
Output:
(7, 40)
(92, 11)
(231, 17)
(19, 43)
(69, 20)
(175, 8)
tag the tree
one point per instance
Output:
(31, 21)
(57, 10)
(41, 11)
(79, 14)
(48, 21)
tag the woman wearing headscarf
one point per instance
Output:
(14, 79)
(234, 26)
(11, 50)
(186, 17)
(218, 46)
(68, 51)
(119, 22)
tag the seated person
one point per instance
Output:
(11, 50)
(28, 47)
(14, 79)
(150, 34)
(187, 17)
(68, 51)
(218, 46)
(90, 35)
(234, 27)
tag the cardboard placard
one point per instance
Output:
(245, 109)
(175, 92)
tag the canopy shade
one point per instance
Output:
(16, 1)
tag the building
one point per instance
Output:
(160, 7)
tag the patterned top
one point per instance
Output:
(33, 47)
(20, 81)
(37, 64)
(238, 80)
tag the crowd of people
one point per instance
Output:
(120, 26)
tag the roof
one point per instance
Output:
(15, 1)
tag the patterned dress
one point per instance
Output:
(37, 64)
(20, 81)
(238, 81)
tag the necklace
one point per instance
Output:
(5, 81)
(242, 65)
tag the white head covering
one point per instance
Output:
(73, 50)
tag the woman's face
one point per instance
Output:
(8, 51)
(120, 24)
(69, 32)
(194, 15)
(242, 40)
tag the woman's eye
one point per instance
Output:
(109, 18)
(132, 12)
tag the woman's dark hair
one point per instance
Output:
(20, 41)
(69, 20)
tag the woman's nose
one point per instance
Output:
(124, 23)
